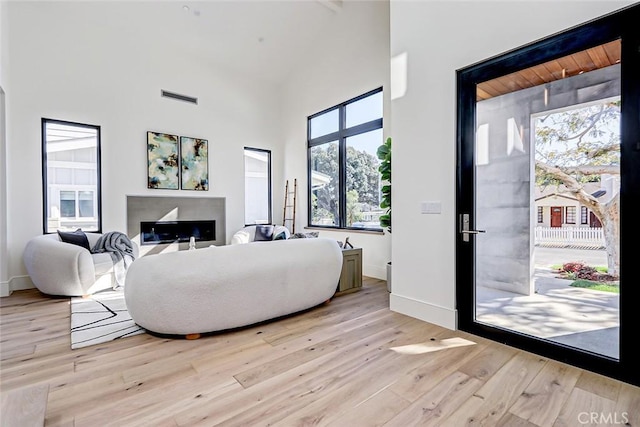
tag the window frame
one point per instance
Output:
(584, 215)
(570, 215)
(45, 199)
(340, 136)
(540, 214)
(270, 194)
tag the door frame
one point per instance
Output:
(616, 25)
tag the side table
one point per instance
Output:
(351, 275)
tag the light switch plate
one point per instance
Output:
(431, 207)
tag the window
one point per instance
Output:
(71, 176)
(344, 182)
(571, 215)
(540, 215)
(584, 215)
(257, 186)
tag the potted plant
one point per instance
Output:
(384, 154)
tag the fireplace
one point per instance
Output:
(158, 232)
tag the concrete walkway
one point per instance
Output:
(578, 317)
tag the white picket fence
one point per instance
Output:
(579, 237)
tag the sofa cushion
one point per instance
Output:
(103, 263)
(75, 238)
(263, 233)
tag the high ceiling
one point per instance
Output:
(571, 65)
(261, 38)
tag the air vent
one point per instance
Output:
(179, 97)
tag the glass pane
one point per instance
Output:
(72, 153)
(85, 204)
(256, 187)
(324, 124)
(363, 180)
(364, 110)
(68, 204)
(324, 184)
(547, 194)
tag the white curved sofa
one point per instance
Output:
(63, 269)
(218, 288)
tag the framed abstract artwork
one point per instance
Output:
(194, 157)
(162, 161)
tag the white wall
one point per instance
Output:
(440, 37)
(70, 61)
(4, 263)
(348, 61)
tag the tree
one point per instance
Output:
(578, 146)
(362, 183)
(362, 176)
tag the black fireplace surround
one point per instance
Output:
(158, 232)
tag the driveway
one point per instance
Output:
(545, 257)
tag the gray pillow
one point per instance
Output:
(308, 235)
(280, 236)
(264, 233)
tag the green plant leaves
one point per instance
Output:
(384, 154)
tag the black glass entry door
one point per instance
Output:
(548, 161)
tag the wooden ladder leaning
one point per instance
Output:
(289, 210)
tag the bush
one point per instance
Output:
(572, 267)
(579, 270)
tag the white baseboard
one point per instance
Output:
(437, 315)
(4, 289)
(17, 283)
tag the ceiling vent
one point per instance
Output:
(179, 97)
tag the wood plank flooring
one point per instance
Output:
(350, 363)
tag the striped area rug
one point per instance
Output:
(100, 318)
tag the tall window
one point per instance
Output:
(343, 177)
(257, 186)
(71, 176)
(571, 215)
(584, 215)
(540, 215)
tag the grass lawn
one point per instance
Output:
(589, 284)
(598, 286)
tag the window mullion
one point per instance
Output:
(342, 167)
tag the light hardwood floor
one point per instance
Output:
(349, 363)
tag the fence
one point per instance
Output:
(578, 237)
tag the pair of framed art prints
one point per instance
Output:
(177, 162)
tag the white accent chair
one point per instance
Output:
(248, 234)
(64, 269)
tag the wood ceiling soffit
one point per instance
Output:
(580, 62)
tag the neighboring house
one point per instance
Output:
(562, 221)
(557, 207)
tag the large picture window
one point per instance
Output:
(344, 182)
(71, 176)
(257, 186)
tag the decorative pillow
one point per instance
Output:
(308, 235)
(263, 233)
(75, 238)
(280, 236)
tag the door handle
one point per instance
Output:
(464, 228)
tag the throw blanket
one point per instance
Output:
(121, 250)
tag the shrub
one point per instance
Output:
(572, 267)
(579, 270)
